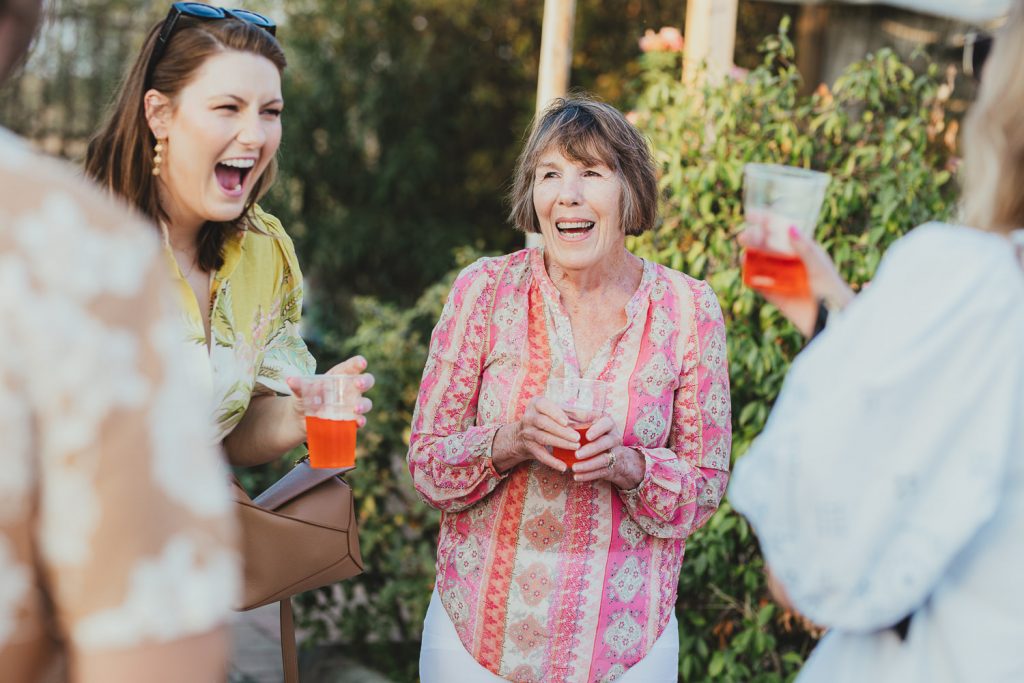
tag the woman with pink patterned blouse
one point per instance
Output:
(545, 574)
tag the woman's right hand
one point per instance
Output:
(543, 424)
(823, 279)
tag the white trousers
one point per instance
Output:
(443, 658)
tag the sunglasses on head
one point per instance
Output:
(204, 12)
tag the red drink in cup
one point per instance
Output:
(329, 402)
(779, 199)
(567, 456)
(773, 272)
(583, 401)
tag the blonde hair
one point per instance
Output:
(993, 197)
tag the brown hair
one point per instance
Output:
(994, 135)
(120, 154)
(587, 131)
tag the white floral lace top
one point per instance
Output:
(890, 477)
(115, 520)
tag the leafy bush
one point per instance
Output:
(877, 132)
(381, 612)
(880, 134)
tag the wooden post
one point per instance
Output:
(555, 51)
(555, 61)
(810, 39)
(710, 36)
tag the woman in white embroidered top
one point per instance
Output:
(888, 486)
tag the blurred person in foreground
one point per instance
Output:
(545, 574)
(888, 487)
(117, 557)
(191, 141)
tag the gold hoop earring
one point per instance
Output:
(158, 158)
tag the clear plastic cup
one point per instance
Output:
(779, 198)
(330, 403)
(583, 401)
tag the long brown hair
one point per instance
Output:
(120, 154)
(994, 135)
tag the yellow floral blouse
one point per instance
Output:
(255, 305)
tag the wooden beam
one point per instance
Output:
(555, 62)
(710, 37)
(555, 51)
(810, 45)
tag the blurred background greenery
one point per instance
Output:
(402, 123)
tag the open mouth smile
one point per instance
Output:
(231, 174)
(574, 230)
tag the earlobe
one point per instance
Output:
(157, 108)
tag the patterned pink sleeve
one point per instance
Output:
(447, 448)
(685, 481)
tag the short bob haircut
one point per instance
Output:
(587, 131)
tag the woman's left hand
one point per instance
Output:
(604, 457)
(364, 382)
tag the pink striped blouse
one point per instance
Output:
(546, 579)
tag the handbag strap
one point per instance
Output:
(289, 657)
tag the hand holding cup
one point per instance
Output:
(332, 407)
(545, 425)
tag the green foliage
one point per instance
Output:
(381, 611)
(403, 122)
(877, 134)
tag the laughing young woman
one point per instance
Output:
(191, 141)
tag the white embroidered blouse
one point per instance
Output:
(890, 478)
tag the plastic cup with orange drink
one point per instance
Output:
(330, 405)
(583, 401)
(779, 198)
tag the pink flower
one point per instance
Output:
(632, 117)
(738, 73)
(668, 39)
(672, 39)
(650, 42)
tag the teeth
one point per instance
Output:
(575, 225)
(238, 187)
(239, 163)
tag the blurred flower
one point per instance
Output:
(632, 117)
(824, 94)
(950, 137)
(672, 38)
(650, 42)
(738, 73)
(668, 39)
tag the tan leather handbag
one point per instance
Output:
(298, 535)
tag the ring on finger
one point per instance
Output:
(611, 461)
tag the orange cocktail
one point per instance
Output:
(773, 272)
(780, 200)
(332, 443)
(329, 402)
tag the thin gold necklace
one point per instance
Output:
(194, 262)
